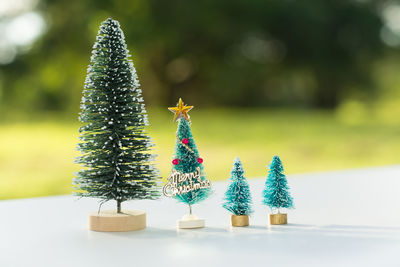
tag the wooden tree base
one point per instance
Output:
(280, 218)
(191, 221)
(111, 221)
(240, 220)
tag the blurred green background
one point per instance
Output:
(315, 82)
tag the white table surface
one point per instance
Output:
(342, 218)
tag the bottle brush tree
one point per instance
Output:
(237, 198)
(116, 150)
(187, 163)
(276, 193)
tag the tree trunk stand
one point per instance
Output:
(280, 218)
(111, 221)
(191, 221)
(239, 220)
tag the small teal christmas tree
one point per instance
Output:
(237, 197)
(276, 193)
(187, 182)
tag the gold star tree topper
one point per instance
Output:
(181, 110)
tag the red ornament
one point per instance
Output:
(185, 141)
(175, 161)
(200, 160)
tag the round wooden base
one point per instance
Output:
(280, 218)
(111, 221)
(191, 221)
(240, 220)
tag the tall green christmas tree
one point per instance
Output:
(276, 193)
(187, 163)
(238, 198)
(116, 150)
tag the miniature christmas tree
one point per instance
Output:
(238, 197)
(116, 150)
(187, 182)
(276, 193)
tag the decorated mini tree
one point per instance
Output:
(276, 193)
(116, 150)
(187, 182)
(238, 198)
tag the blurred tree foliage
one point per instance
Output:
(245, 53)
